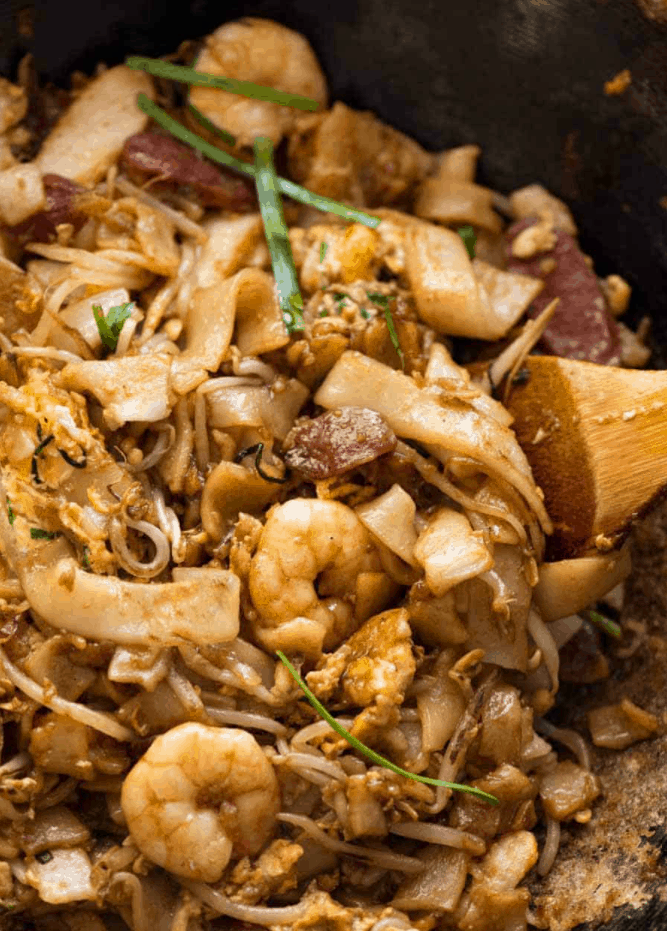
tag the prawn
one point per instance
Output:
(199, 797)
(304, 541)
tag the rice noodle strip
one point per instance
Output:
(46, 352)
(441, 834)
(382, 858)
(80, 257)
(298, 760)
(432, 474)
(142, 570)
(569, 738)
(511, 358)
(228, 381)
(455, 752)
(551, 844)
(245, 719)
(254, 914)
(543, 638)
(182, 223)
(98, 720)
(158, 307)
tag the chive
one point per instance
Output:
(371, 754)
(110, 327)
(85, 557)
(75, 463)
(382, 301)
(34, 467)
(467, 234)
(36, 533)
(212, 128)
(323, 250)
(604, 623)
(260, 470)
(277, 238)
(164, 69)
(10, 511)
(288, 188)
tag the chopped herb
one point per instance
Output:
(371, 754)
(44, 857)
(75, 463)
(212, 128)
(10, 511)
(364, 313)
(288, 188)
(36, 533)
(109, 327)
(85, 558)
(164, 69)
(34, 467)
(323, 250)
(339, 297)
(324, 313)
(604, 623)
(467, 234)
(260, 470)
(277, 238)
(382, 301)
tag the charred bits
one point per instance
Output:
(338, 441)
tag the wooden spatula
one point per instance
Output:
(596, 439)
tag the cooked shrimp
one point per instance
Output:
(200, 796)
(257, 50)
(305, 540)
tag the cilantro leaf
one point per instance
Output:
(109, 327)
(36, 533)
(467, 234)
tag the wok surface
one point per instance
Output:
(524, 79)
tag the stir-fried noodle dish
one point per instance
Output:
(277, 632)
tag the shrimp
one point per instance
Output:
(198, 797)
(303, 541)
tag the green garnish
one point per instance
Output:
(467, 234)
(260, 470)
(288, 188)
(604, 623)
(371, 754)
(44, 857)
(109, 327)
(364, 313)
(85, 558)
(277, 238)
(382, 301)
(163, 69)
(324, 313)
(323, 250)
(212, 128)
(36, 533)
(10, 511)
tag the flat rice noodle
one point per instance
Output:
(358, 381)
(441, 367)
(88, 139)
(210, 323)
(231, 241)
(229, 490)
(503, 644)
(450, 551)
(448, 296)
(390, 518)
(570, 585)
(65, 877)
(21, 193)
(438, 888)
(199, 606)
(130, 389)
(510, 294)
(451, 200)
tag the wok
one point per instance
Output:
(524, 79)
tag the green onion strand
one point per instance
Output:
(371, 754)
(467, 234)
(287, 188)
(277, 237)
(604, 623)
(382, 301)
(164, 69)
